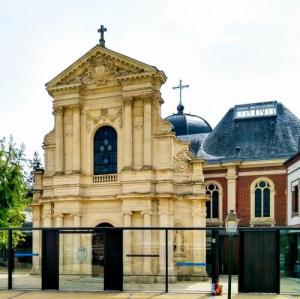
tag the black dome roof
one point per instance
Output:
(187, 124)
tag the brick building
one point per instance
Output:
(245, 155)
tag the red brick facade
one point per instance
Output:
(243, 193)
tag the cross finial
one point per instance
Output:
(101, 30)
(180, 107)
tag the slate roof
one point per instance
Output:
(257, 138)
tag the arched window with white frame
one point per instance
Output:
(214, 204)
(262, 201)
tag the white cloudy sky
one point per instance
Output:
(228, 51)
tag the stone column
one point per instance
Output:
(76, 138)
(231, 188)
(127, 243)
(128, 133)
(147, 245)
(59, 140)
(199, 238)
(46, 220)
(59, 222)
(147, 133)
(76, 244)
(163, 222)
(36, 240)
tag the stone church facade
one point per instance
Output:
(111, 159)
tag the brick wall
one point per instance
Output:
(243, 198)
(243, 195)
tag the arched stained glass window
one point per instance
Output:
(105, 151)
(212, 206)
(262, 199)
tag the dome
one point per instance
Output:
(187, 124)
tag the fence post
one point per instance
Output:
(167, 262)
(10, 263)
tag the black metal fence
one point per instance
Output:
(177, 259)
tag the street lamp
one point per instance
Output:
(231, 224)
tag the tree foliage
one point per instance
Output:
(13, 187)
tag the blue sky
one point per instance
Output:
(229, 52)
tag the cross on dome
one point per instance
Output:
(180, 107)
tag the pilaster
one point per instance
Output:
(76, 243)
(147, 131)
(128, 101)
(59, 140)
(127, 242)
(147, 244)
(76, 138)
(231, 188)
(59, 223)
(199, 238)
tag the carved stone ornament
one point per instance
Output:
(96, 117)
(184, 155)
(49, 139)
(99, 69)
(164, 127)
(181, 161)
(181, 166)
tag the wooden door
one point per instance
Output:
(259, 262)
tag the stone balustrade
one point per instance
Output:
(105, 178)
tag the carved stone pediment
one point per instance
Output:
(101, 66)
(99, 69)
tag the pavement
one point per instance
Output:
(105, 295)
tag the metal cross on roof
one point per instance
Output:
(180, 86)
(101, 30)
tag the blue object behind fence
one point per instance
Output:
(22, 254)
(190, 264)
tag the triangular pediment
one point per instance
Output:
(100, 66)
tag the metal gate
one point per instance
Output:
(113, 258)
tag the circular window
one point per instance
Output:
(211, 187)
(262, 184)
(109, 147)
(105, 161)
(101, 148)
(105, 142)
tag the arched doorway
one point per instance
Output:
(98, 242)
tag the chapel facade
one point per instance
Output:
(112, 160)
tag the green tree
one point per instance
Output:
(13, 188)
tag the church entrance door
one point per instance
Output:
(98, 240)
